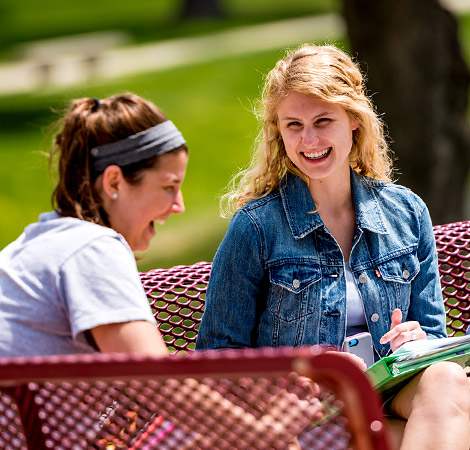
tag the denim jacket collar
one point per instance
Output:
(299, 205)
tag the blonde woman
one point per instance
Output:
(323, 245)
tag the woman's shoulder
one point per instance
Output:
(259, 210)
(256, 213)
(394, 192)
(52, 224)
(266, 201)
(64, 236)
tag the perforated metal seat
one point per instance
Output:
(177, 297)
(453, 248)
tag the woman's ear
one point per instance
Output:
(112, 179)
(354, 122)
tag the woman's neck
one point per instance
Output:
(332, 194)
(333, 200)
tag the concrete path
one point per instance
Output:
(85, 62)
(85, 58)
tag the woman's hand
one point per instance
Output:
(402, 332)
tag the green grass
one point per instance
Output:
(143, 20)
(210, 103)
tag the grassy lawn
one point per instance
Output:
(211, 104)
(143, 20)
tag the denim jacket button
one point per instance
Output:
(406, 274)
(374, 317)
(362, 278)
(296, 283)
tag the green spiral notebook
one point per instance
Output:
(391, 372)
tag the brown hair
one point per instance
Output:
(89, 123)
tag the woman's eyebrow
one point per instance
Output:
(325, 113)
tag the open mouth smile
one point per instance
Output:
(313, 156)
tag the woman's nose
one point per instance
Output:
(178, 204)
(309, 137)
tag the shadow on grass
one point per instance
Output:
(16, 116)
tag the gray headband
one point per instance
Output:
(161, 138)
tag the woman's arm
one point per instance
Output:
(426, 314)
(234, 288)
(138, 336)
(426, 304)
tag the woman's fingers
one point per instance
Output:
(312, 389)
(413, 334)
(405, 332)
(398, 330)
(292, 408)
(397, 317)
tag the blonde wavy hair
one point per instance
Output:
(329, 74)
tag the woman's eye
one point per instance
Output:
(324, 121)
(293, 124)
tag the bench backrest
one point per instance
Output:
(177, 297)
(177, 294)
(453, 249)
(233, 399)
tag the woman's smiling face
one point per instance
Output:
(317, 135)
(137, 207)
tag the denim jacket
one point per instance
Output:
(278, 276)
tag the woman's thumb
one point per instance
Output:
(396, 318)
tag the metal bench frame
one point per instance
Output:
(29, 386)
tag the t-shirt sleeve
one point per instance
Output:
(100, 285)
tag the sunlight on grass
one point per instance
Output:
(210, 103)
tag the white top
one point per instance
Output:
(62, 277)
(356, 319)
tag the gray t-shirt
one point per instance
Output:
(60, 278)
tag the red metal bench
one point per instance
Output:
(121, 401)
(242, 399)
(453, 248)
(177, 294)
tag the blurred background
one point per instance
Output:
(203, 62)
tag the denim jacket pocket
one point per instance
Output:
(398, 273)
(293, 290)
(401, 269)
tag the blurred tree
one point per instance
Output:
(201, 8)
(419, 81)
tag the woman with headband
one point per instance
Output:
(69, 283)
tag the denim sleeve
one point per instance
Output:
(426, 304)
(229, 318)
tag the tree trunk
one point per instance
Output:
(419, 81)
(201, 8)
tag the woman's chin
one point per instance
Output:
(141, 246)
